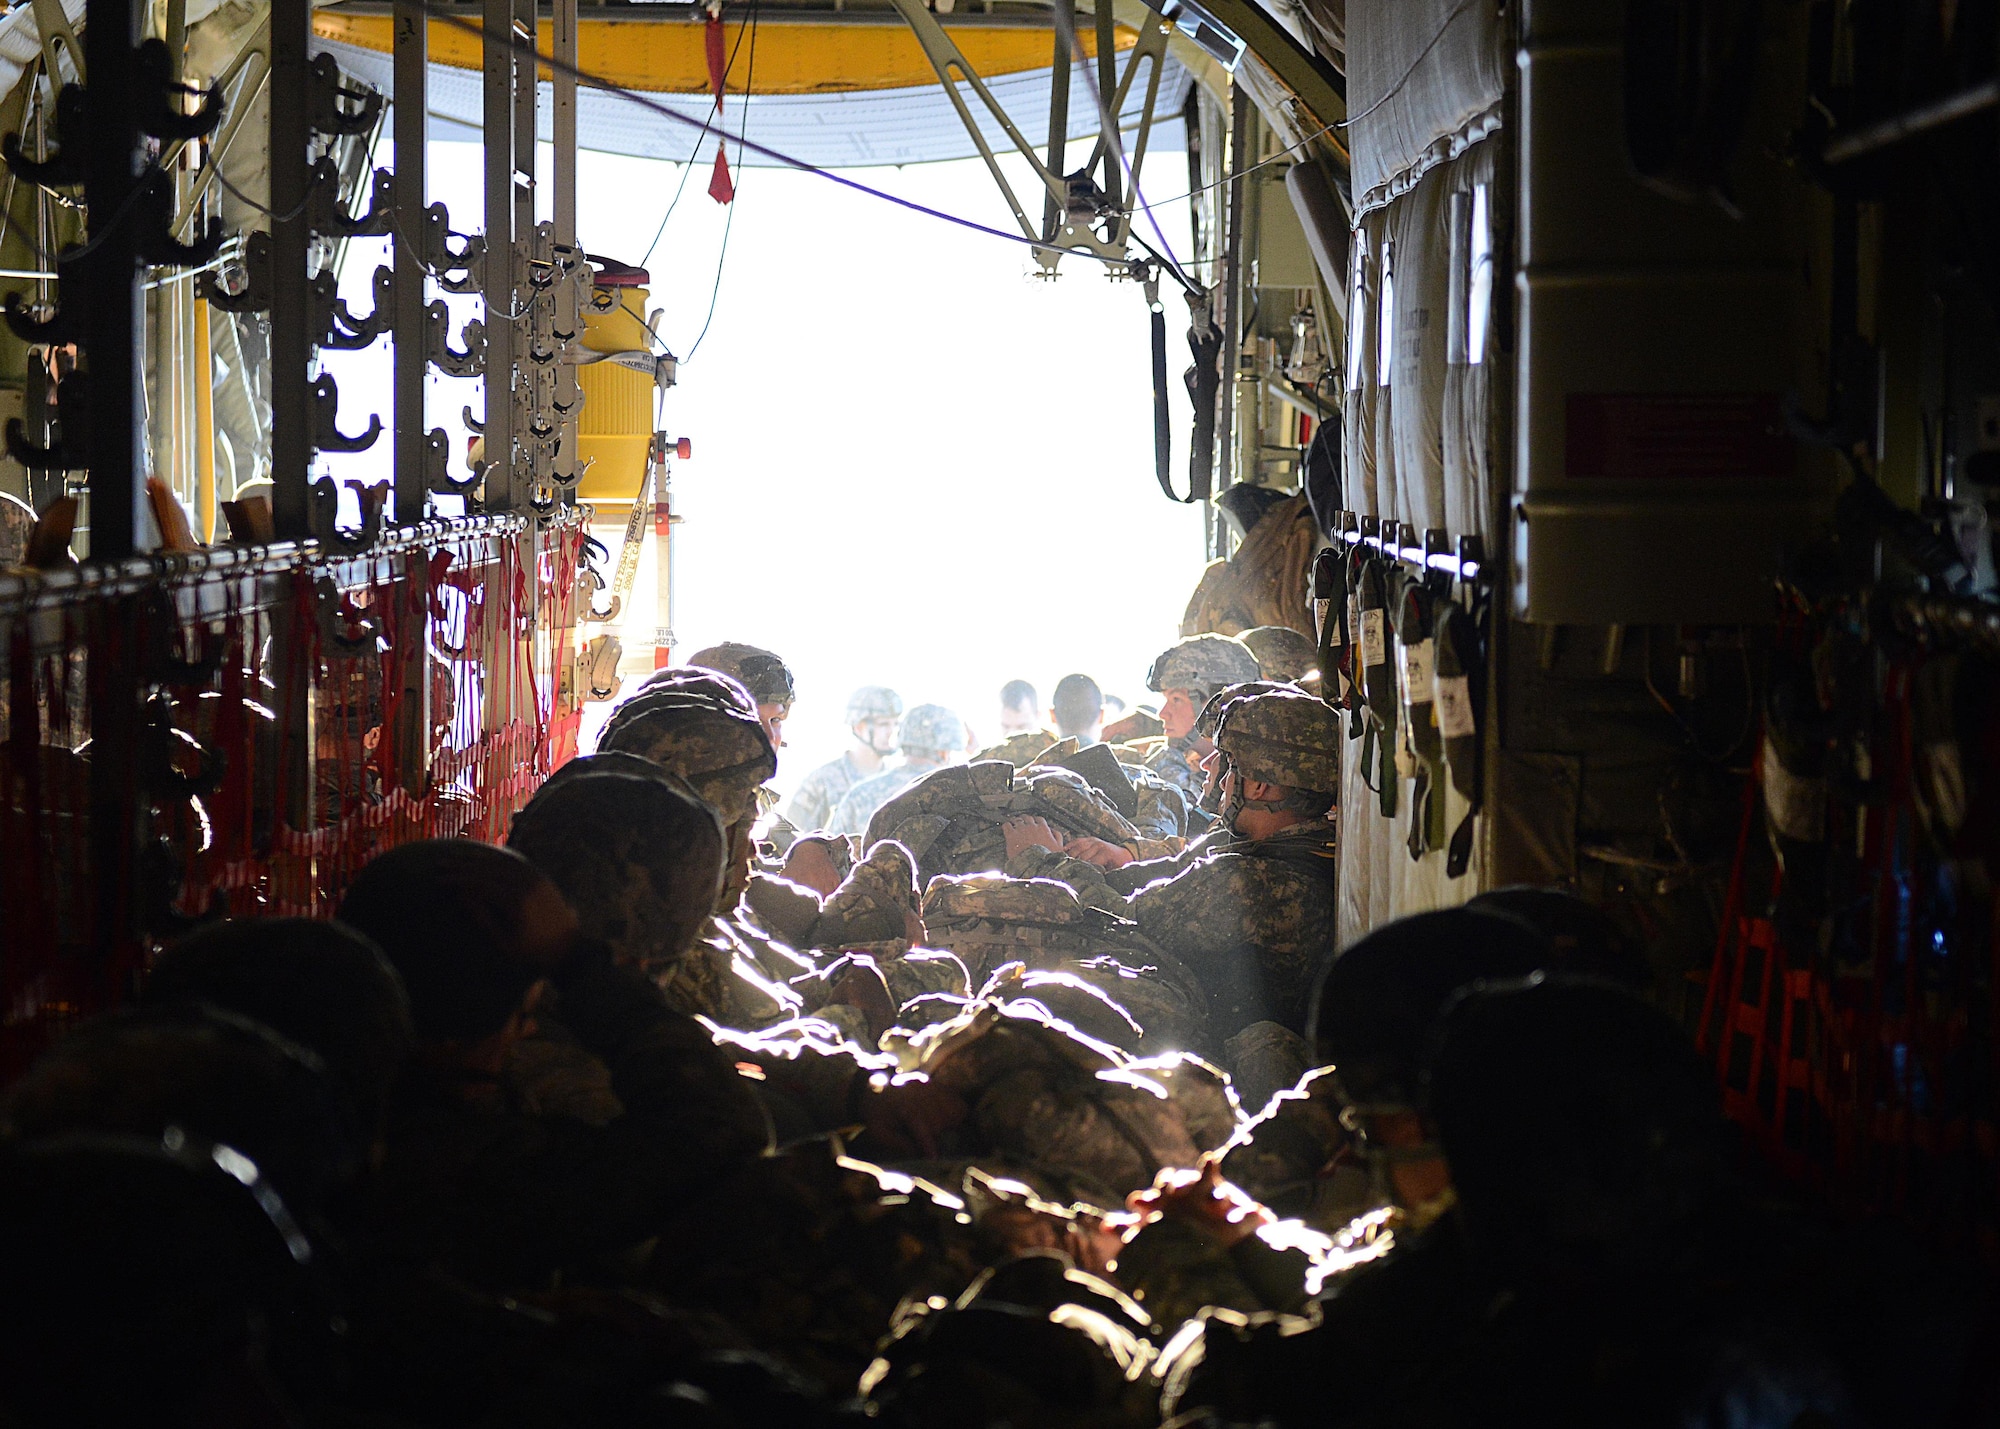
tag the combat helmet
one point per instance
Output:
(1204, 662)
(1218, 704)
(1288, 739)
(931, 728)
(702, 734)
(763, 674)
(874, 702)
(1282, 653)
(710, 682)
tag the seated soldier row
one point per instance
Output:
(613, 1126)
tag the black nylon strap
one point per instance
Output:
(1163, 436)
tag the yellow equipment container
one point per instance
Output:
(615, 426)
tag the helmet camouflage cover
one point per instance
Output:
(726, 688)
(762, 673)
(1218, 703)
(933, 729)
(1282, 652)
(701, 735)
(1288, 739)
(874, 702)
(1203, 662)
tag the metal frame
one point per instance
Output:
(1066, 225)
(498, 135)
(291, 245)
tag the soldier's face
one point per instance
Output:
(1177, 712)
(879, 734)
(773, 717)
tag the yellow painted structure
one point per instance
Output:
(615, 425)
(669, 57)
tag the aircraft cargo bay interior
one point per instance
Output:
(983, 714)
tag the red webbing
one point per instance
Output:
(297, 723)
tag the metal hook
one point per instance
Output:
(454, 362)
(55, 457)
(255, 295)
(325, 516)
(63, 167)
(159, 117)
(437, 467)
(328, 96)
(329, 217)
(55, 330)
(327, 436)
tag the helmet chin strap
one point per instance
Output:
(1233, 802)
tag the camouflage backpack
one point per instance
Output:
(950, 819)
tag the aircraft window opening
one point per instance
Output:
(1479, 278)
(1385, 323)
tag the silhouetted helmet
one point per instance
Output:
(760, 672)
(1203, 662)
(1288, 739)
(874, 702)
(931, 729)
(1282, 653)
(705, 738)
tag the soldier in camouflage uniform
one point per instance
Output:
(763, 674)
(1185, 676)
(930, 736)
(704, 728)
(1254, 914)
(872, 713)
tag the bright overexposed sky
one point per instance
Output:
(914, 463)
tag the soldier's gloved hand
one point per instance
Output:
(1098, 851)
(1204, 1197)
(1027, 832)
(907, 1118)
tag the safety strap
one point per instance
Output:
(1414, 691)
(1459, 687)
(1163, 435)
(1204, 383)
(1378, 684)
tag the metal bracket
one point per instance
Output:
(55, 457)
(437, 467)
(158, 115)
(454, 268)
(327, 436)
(329, 217)
(63, 165)
(153, 218)
(1075, 230)
(325, 516)
(330, 116)
(255, 295)
(60, 327)
(453, 362)
(339, 327)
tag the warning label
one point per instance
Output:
(1655, 436)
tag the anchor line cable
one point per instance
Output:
(729, 223)
(695, 153)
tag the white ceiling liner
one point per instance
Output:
(1424, 82)
(856, 130)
